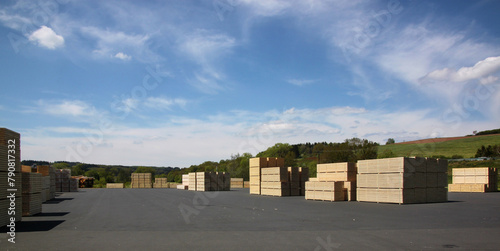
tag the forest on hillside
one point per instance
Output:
(304, 155)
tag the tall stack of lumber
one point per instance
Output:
(402, 180)
(49, 181)
(161, 183)
(334, 182)
(185, 182)
(74, 184)
(478, 179)
(274, 181)
(202, 181)
(192, 181)
(115, 185)
(5, 136)
(32, 193)
(256, 165)
(63, 180)
(269, 176)
(304, 177)
(237, 182)
(141, 180)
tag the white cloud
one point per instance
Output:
(123, 56)
(47, 38)
(75, 108)
(164, 103)
(267, 8)
(301, 82)
(488, 80)
(480, 70)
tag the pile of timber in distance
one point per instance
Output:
(208, 181)
(269, 176)
(141, 180)
(478, 179)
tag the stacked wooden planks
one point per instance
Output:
(63, 180)
(192, 181)
(115, 185)
(185, 182)
(32, 193)
(269, 176)
(237, 182)
(402, 180)
(49, 183)
(141, 180)
(212, 181)
(478, 179)
(161, 183)
(10, 144)
(334, 182)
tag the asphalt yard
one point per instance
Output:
(170, 219)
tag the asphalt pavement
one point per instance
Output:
(170, 219)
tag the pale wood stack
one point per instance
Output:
(212, 181)
(304, 177)
(73, 184)
(49, 183)
(141, 180)
(334, 182)
(202, 181)
(269, 176)
(32, 193)
(402, 180)
(478, 179)
(63, 180)
(256, 165)
(237, 182)
(5, 136)
(185, 182)
(115, 185)
(161, 183)
(192, 181)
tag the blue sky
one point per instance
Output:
(176, 83)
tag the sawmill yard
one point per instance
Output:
(161, 219)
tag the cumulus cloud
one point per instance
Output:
(46, 37)
(480, 70)
(123, 56)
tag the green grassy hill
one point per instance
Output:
(466, 147)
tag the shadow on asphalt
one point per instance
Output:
(51, 214)
(33, 226)
(56, 200)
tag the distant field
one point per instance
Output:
(466, 147)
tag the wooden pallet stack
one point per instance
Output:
(10, 140)
(49, 183)
(274, 181)
(237, 182)
(478, 179)
(340, 179)
(256, 165)
(141, 180)
(73, 184)
(62, 180)
(324, 190)
(192, 181)
(32, 193)
(269, 176)
(203, 181)
(161, 183)
(402, 180)
(304, 177)
(185, 182)
(115, 185)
